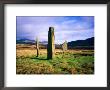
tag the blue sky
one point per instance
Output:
(69, 28)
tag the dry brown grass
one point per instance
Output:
(30, 50)
(71, 62)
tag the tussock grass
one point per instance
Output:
(71, 62)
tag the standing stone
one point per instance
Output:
(37, 46)
(64, 46)
(50, 46)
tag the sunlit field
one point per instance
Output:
(69, 62)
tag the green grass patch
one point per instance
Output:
(61, 64)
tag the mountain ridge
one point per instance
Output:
(86, 42)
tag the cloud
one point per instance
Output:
(68, 28)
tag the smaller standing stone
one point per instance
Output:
(37, 46)
(64, 46)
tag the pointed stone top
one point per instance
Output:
(51, 29)
(65, 41)
(36, 38)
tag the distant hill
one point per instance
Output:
(28, 41)
(88, 43)
(79, 44)
(25, 41)
(43, 42)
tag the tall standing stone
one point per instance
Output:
(50, 46)
(37, 46)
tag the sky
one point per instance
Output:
(69, 28)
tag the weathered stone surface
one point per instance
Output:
(64, 46)
(51, 45)
(37, 46)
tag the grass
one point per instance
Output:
(71, 62)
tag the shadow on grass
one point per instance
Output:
(39, 58)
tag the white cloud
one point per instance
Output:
(65, 29)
